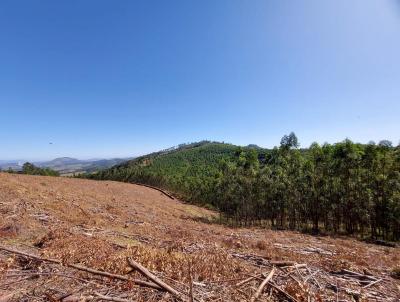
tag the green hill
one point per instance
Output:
(188, 170)
(341, 188)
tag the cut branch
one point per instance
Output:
(29, 255)
(262, 285)
(114, 276)
(245, 281)
(153, 278)
(373, 283)
(288, 296)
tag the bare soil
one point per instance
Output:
(100, 224)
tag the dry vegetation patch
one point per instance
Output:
(100, 225)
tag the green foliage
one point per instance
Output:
(189, 170)
(342, 188)
(31, 169)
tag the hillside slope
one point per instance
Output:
(184, 170)
(99, 224)
(66, 165)
(342, 188)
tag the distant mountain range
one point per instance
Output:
(67, 165)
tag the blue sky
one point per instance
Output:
(122, 78)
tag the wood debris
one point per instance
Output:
(72, 241)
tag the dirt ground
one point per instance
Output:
(99, 225)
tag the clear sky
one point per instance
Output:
(122, 78)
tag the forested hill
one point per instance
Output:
(338, 188)
(188, 170)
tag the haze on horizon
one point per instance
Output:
(103, 79)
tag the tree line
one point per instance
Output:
(31, 169)
(341, 188)
(336, 188)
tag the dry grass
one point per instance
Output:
(90, 223)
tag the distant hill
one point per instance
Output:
(253, 146)
(68, 165)
(61, 161)
(14, 165)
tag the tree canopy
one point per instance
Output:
(31, 169)
(337, 188)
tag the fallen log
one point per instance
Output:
(246, 281)
(359, 275)
(29, 255)
(153, 278)
(296, 266)
(373, 283)
(154, 188)
(262, 285)
(349, 273)
(114, 276)
(83, 268)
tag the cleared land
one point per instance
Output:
(100, 225)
